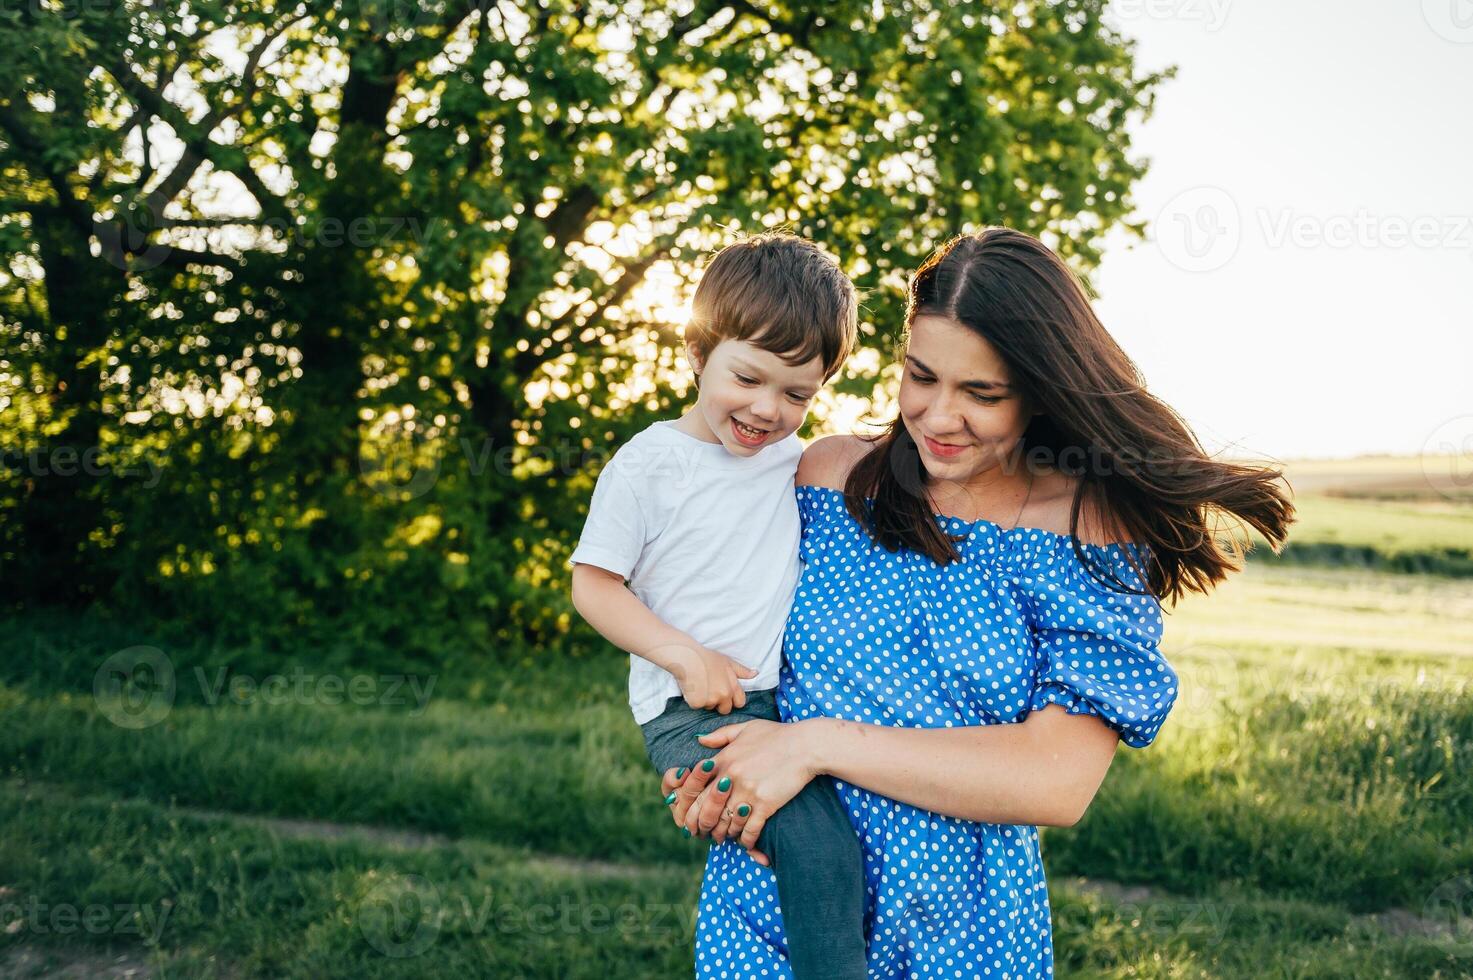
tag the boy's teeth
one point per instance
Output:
(754, 433)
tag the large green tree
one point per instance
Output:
(375, 282)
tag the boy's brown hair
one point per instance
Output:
(781, 293)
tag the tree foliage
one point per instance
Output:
(336, 306)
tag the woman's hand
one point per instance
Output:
(687, 791)
(762, 766)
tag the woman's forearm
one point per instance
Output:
(1042, 771)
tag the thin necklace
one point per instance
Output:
(1026, 495)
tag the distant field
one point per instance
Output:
(1414, 477)
(1402, 514)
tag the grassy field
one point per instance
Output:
(1305, 813)
(1387, 513)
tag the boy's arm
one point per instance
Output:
(707, 679)
(614, 535)
(601, 598)
(611, 543)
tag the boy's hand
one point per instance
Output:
(711, 680)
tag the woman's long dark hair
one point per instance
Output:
(1138, 464)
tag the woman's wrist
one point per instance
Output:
(817, 734)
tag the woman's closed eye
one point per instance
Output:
(923, 381)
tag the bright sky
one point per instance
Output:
(1309, 288)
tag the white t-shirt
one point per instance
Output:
(707, 540)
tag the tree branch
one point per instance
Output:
(198, 145)
(183, 258)
(411, 52)
(18, 123)
(798, 32)
(621, 288)
(568, 220)
(196, 150)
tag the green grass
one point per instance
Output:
(1390, 526)
(205, 898)
(256, 904)
(1396, 514)
(1418, 536)
(1307, 801)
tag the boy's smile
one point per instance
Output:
(749, 398)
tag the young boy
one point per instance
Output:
(699, 515)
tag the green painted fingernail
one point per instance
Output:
(743, 810)
(725, 784)
(680, 772)
(670, 799)
(708, 765)
(685, 831)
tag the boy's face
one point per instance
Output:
(750, 398)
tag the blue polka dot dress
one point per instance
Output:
(893, 638)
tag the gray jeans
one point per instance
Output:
(813, 847)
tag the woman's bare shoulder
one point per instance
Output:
(826, 462)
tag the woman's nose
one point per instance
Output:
(944, 417)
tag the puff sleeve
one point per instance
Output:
(815, 517)
(1098, 649)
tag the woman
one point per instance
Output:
(977, 623)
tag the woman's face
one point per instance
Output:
(956, 400)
